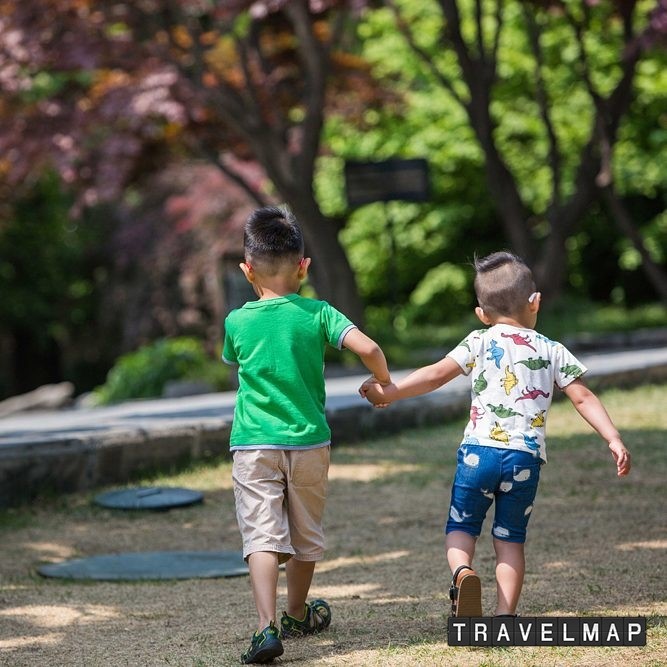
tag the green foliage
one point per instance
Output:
(52, 269)
(47, 84)
(40, 252)
(145, 372)
(441, 294)
(573, 316)
(408, 343)
(461, 220)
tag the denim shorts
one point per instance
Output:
(485, 474)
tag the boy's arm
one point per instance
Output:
(589, 406)
(370, 353)
(421, 381)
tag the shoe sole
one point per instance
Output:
(469, 600)
(266, 654)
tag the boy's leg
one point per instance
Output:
(306, 498)
(300, 618)
(510, 570)
(299, 577)
(263, 566)
(514, 506)
(259, 490)
(465, 591)
(477, 472)
(460, 549)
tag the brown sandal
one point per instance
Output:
(466, 592)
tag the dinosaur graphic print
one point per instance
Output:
(502, 411)
(531, 394)
(509, 381)
(535, 364)
(571, 370)
(475, 415)
(480, 384)
(519, 339)
(495, 353)
(513, 372)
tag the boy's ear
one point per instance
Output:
(248, 272)
(303, 267)
(481, 315)
(534, 304)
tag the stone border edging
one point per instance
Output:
(93, 459)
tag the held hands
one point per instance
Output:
(375, 392)
(621, 456)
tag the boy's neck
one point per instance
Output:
(518, 322)
(274, 288)
(285, 281)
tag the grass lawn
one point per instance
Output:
(597, 546)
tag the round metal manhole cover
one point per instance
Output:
(149, 498)
(150, 565)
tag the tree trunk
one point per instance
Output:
(330, 271)
(655, 274)
(507, 202)
(550, 270)
(551, 266)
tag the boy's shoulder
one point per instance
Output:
(501, 331)
(251, 308)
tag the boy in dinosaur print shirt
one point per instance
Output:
(514, 372)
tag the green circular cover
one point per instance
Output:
(149, 498)
(150, 565)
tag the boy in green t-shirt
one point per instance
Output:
(280, 437)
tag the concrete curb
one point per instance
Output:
(33, 462)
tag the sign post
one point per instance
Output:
(385, 181)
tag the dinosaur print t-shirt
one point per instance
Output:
(513, 373)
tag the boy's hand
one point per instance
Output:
(373, 392)
(621, 456)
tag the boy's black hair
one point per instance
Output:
(272, 235)
(503, 283)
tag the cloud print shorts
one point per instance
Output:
(485, 474)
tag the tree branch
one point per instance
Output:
(496, 38)
(315, 61)
(423, 55)
(542, 99)
(252, 116)
(583, 56)
(479, 13)
(619, 213)
(595, 168)
(213, 155)
(452, 16)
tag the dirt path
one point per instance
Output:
(597, 546)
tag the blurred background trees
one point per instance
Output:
(136, 137)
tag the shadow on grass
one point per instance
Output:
(595, 545)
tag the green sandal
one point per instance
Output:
(317, 617)
(264, 646)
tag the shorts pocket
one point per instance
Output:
(310, 467)
(256, 464)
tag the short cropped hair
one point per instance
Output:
(271, 237)
(503, 283)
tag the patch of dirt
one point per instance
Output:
(596, 547)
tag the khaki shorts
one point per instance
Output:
(280, 496)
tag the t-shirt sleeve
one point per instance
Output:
(465, 352)
(335, 325)
(228, 351)
(567, 367)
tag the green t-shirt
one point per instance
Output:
(279, 347)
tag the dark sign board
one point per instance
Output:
(388, 180)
